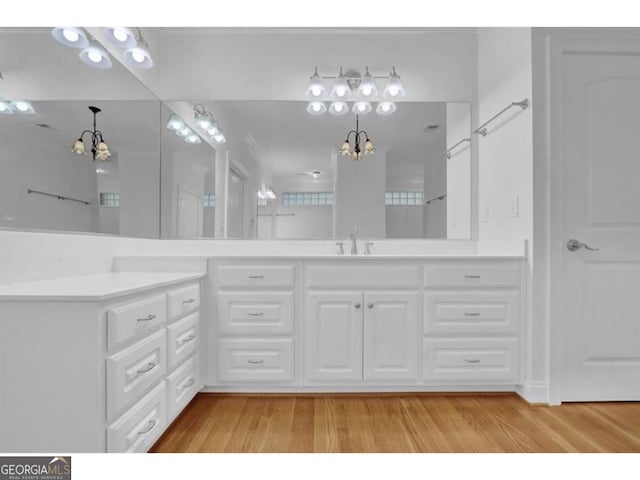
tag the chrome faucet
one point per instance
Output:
(354, 241)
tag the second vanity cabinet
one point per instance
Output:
(355, 336)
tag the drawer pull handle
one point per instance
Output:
(472, 276)
(150, 426)
(189, 383)
(475, 360)
(150, 366)
(188, 339)
(472, 314)
(256, 276)
(255, 362)
(147, 318)
(191, 300)
(258, 314)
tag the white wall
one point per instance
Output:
(458, 171)
(505, 164)
(359, 196)
(139, 178)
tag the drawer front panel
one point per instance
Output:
(255, 276)
(138, 429)
(471, 360)
(255, 360)
(182, 385)
(472, 274)
(135, 319)
(473, 314)
(387, 275)
(183, 338)
(255, 313)
(133, 370)
(183, 301)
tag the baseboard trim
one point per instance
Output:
(534, 393)
(471, 389)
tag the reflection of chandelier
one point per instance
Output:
(356, 153)
(99, 147)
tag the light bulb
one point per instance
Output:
(70, 35)
(366, 90)
(341, 92)
(138, 56)
(361, 107)
(21, 106)
(316, 91)
(338, 107)
(94, 56)
(385, 107)
(119, 34)
(394, 90)
(5, 107)
(183, 132)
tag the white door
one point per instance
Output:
(333, 346)
(189, 214)
(600, 192)
(391, 336)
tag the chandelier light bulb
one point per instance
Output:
(78, 147)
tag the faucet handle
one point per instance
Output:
(341, 250)
(367, 248)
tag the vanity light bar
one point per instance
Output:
(181, 129)
(8, 107)
(361, 107)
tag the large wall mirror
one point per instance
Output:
(408, 188)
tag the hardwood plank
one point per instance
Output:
(375, 423)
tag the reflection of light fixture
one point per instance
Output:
(394, 86)
(316, 108)
(385, 108)
(177, 126)
(73, 37)
(204, 119)
(99, 147)
(361, 108)
(138, 55)
(356, 153)
(338, 108)
(352, 84)
(21, 106)
(267, 192)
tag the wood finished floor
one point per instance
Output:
(399, 423)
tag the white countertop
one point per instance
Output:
(90, 288)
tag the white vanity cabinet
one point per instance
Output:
(368, 336)
(473, 315)
(94, 372)
(255, 305)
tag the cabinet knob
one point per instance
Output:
(370, 305)
(357, 305)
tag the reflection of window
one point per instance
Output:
(262, 202)
(403, 198)
(305, 199)
(109, 199)
(208, 200)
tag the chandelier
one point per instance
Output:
(356, 152)
(99, 147)
(351, 85)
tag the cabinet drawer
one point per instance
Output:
(135, 319)
(182, 339)
(182, 385)
(472, 274)
(133, 370)
(183, 301)
(256, 276)
(473, 314)
(330, 275)
(471, 360)
(255, 313)
(245, 360)
(141, 425)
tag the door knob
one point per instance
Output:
(357, 305)
(370, 305)
(573, 245)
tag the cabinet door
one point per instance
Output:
(391, 336)
(333, 332)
